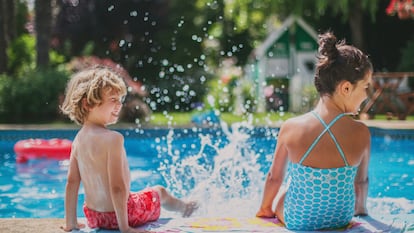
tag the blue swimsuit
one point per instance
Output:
(320, 198)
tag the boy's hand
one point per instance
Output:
(69, 229)
(133, 230)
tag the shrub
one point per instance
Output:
(219, 96)
(33, 97)
(22, 56)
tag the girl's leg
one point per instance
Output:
(172, 203)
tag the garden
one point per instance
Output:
(178, 60)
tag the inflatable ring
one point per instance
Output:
(54, 148)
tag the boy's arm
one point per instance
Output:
(118, 179)
(71, 195)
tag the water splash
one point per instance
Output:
(220, 177)
(228, 178)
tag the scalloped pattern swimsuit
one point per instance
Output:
(320, 198)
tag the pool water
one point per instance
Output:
(224, 168)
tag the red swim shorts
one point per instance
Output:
(143, 207)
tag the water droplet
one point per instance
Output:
(133, 13)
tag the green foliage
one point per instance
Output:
(234, 28)
(22, 55)
(407, 61)
(219, 96)
(310, 97)
(5, 91)
(31, 97)
(223, 93)
(317, 8)
(88, 49)
(248, 95)
(21, 16)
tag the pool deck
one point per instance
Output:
(372, 224)
(390, 124)
(24, 225)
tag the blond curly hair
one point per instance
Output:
(89, 84)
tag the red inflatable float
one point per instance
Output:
(55, 148)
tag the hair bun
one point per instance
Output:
(327, 46)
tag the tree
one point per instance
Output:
(43, 25)
(244, 13)
(7, 30)
(158, 42)
(13, 16)
(168, 45)
(3, 39)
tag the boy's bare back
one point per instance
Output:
(94, 148)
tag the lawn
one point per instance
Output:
(185, 118)
(178, 119)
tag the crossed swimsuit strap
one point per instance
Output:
(327, 129)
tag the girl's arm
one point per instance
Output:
(361, 180)
(274, 179)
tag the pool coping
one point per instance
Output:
(389, 124)
(24, 225)
(52, 225)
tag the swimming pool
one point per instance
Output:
(223, 167)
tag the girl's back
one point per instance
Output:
(352, 137)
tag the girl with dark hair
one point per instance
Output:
(325, 152)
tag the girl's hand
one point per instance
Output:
(265, 213)
(69, 229)
(361, 212)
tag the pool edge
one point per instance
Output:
(24, 225)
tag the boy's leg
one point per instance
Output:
(172, 203)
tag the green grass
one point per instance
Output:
(174, 119)
(257, 118)
(178, 119)
(183, 119)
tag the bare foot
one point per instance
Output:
(189, 208)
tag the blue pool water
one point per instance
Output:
(222, 167)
